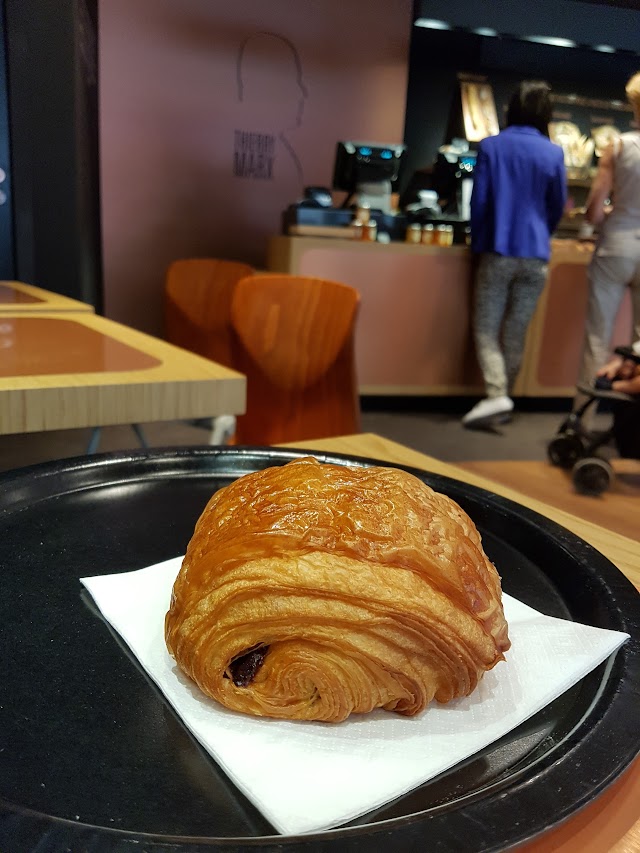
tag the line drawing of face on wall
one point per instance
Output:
(272, 91)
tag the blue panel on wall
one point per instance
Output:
(6, 217)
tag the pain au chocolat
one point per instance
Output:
(314, 591)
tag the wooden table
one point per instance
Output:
(18, 297)
(617, 509)
(60, 371)
(611, 824)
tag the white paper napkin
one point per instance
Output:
(306, 776)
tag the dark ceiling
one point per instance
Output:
(621, 4)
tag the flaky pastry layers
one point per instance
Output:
(313, 591)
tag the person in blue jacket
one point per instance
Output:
(519, 193)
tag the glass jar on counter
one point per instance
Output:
(428, 234)
(357, 230)
(363, 213)
(370, 233)
(414, 233)
(444, 235)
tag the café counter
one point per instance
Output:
(414, 327)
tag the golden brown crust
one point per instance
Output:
(313, 591)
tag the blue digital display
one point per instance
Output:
(366, 151)
(365, 162)
(467, 161)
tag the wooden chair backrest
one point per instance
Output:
(294, 341)
(197, 305)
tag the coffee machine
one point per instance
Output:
(453, 179)
(369, 172)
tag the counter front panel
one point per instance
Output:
(414, 332)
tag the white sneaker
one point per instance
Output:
(489, 410)
(224, 427)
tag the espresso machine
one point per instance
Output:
(369, 172)
(453, 180)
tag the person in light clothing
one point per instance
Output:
(519, 194)
(616, 259)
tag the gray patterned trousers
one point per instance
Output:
(506, 294)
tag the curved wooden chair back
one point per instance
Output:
(294, 341)
(197, 305)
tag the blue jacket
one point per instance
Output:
(519, 193)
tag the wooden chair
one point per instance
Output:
(197, 309)
(197, 305)
(294, 341)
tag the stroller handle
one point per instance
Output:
(628, 353)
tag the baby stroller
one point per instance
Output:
(576, 449)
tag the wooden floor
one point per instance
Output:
(617, 509)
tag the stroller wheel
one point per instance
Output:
(565, 450)
(592, 476)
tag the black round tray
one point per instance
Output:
(93, 758)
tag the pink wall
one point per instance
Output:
(310, 73)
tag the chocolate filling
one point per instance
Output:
(243, 669)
